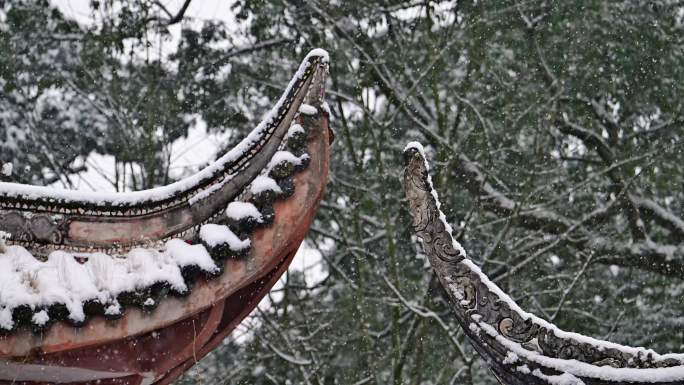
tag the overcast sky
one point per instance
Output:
(198, 12)
(199, 9)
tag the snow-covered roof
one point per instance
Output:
(228, 161)
(45, 278)
(35, 290)
(94, 221)
(43, 287)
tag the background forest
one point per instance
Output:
(572, 113)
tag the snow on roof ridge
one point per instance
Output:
(238, 210)
(72, 279)
(636, 351)
(576, 368)
(419, 147)
(217, 235)
(3, 236)
(318, 52)
(163, 192)
(264, 183)
(287, 157)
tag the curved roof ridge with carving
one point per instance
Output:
(17, 190)
(53, 219)
(521, 348)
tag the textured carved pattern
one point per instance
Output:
(476, 302)
(38, 228)
(426, 222)
(43, 222)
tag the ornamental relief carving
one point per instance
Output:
(474, 301)
(28, 227)
(426, 222)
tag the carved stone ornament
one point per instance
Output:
(520, 348)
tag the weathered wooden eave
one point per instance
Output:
(155, 346)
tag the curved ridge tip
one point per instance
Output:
(414, 151)
(591, 358)
(320, 53)
(413, 148)
(415, 145)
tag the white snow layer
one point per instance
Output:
(6, 169)
(168, 191)
(295, 129)
(264, 183)
(571, 369)
(326, 107)
(242, 210)
(40, 318)
(3, 236)
(286, 156)
(185, 254)
(308, 109)
(24, 280)
(217, 235)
